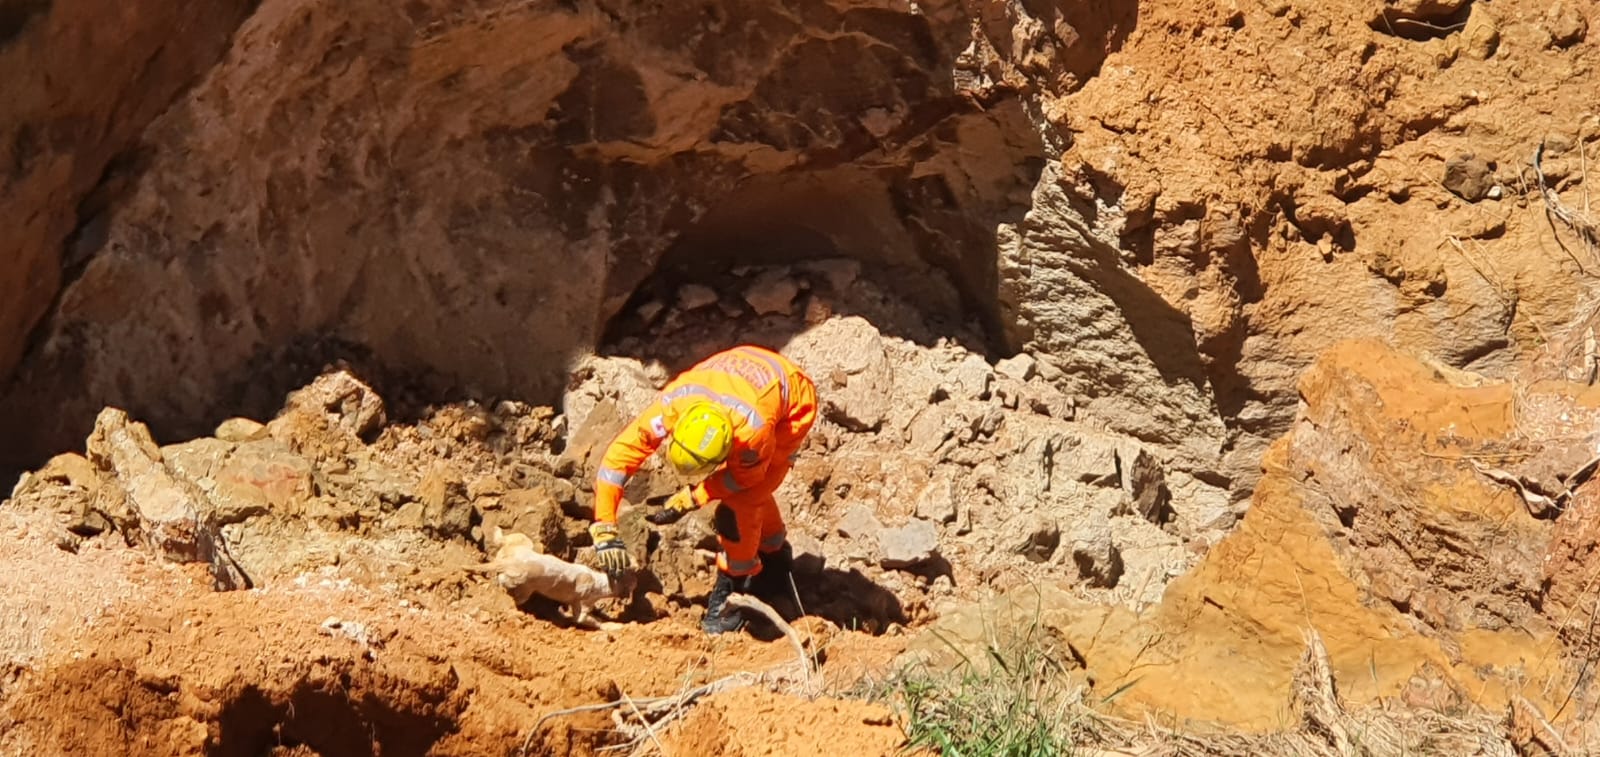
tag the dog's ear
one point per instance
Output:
(496, 538)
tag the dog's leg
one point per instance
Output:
(585, 618)
(581, 616)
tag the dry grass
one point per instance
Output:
(1016, 703)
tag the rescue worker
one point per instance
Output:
(732, 425)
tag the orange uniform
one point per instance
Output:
(773, 405)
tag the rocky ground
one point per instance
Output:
(932, 480)
(276, 584)
(1237, 355)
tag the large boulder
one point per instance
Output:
(150, 503)
(847, 360)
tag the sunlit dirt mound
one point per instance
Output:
(109, 651)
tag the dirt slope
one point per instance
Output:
(126, 654)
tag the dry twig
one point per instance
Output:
(1555, 210)
(648, 729)
(648, 716)
(811, 678)
(1530, 731)
(1539, 505)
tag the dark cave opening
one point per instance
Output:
(786, 253)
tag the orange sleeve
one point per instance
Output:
(623, 458)
(802, 414)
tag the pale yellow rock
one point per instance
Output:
(1481, 37)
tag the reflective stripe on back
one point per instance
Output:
(777, 370)
(734, 403)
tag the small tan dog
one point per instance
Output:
(523, 571)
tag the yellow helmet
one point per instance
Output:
(700, 439)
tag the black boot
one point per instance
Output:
(773, 581)
(719, 617)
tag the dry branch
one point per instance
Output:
(1530, 731)
(1555, 210)
(811, 678)
(1541, 505)
(648, 716)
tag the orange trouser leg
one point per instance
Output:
(746, 528)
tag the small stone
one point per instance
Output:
(1481, 36)
(973, 377)
(1020, 367)
(1040, 541)
(1099, 562)
(1146, 485)
(693, 296)
(848, 356)
(1088, 458)
(648, 311)
(859, 522)
(773, 292)
(937, 501)
(144, 496)
(928, 430)
(1468, 177)
(988, 423)
(1495, 192)
(240, 430)
(1010, 393)
(910, 545)
(340, 397)
(1565, 24)
(1092, 549)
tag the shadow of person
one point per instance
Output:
(846, 598)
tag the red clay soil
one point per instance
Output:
(122, 654)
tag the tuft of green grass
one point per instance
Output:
(1012, 702)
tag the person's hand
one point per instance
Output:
(610, 552)
(678, 505)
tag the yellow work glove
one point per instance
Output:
(678, 505)
(610, 552)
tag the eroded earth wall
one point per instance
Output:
(469, 192)
(1176, 205)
